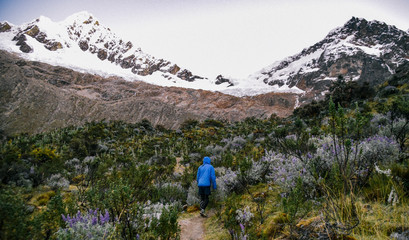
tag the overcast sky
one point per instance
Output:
(230, 37)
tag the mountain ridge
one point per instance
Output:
(37, 97)
(48, 41)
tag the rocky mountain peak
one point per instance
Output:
(81, 17)
(360, 50)
(82, 31)
(367, 32)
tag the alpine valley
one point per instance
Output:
(56, 74)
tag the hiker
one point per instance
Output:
(205, 178)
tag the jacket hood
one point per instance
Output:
(206, 160)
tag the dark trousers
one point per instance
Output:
(204, 193)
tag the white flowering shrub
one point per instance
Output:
(285, 171)
(244, 216)
(221, 193)
(158, 219)
(152, 211)
(193, 157)
(231, 182)
(379, 149)
(170, 192)
(193, 194)
(361, 157)
(234, 144)
(378, 123)
(257, 172)
(215, 152)
(56, 181)
(395, 128)
(77, 167)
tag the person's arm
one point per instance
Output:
(213, 178)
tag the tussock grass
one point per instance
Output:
(214, 229)
(378, 220)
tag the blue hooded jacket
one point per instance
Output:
(206, 174)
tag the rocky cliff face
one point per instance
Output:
(36, 97)
(365, 51)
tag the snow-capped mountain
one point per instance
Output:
(360, 50)
(83, 43)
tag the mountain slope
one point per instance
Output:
(360, 50)
(37, 97)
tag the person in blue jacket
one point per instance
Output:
(206, 178)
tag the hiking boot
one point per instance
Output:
(202, 213)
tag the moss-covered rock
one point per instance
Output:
(33, 31)
(4, 27)
(53, 46)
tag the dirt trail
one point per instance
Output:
(192, 228)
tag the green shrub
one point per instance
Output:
(167, 226)
(14, 220)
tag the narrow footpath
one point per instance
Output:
(192, 228)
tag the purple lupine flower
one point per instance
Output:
(105, 218)
(94, 220)
(242, 227)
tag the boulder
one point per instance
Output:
(220, 79)
(24, 47)
(41, 37)
(111, 57)
(83, 45)
(102, 54)
(20, 39)
(127, 62)
(186, 75)
(53, 46)
(174, 69)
